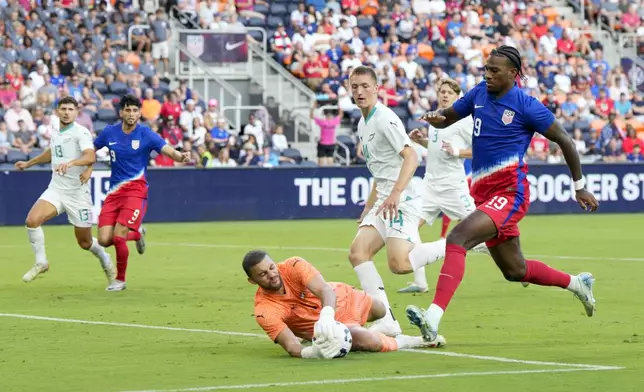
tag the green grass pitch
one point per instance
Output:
(190, 283)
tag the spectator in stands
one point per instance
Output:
(205, 157)
(580, 143)
(160, 35)
(24, 139)
(171, 107)
(539, 147)
(631, 140)
(187, 117)
(328, 125)
(249, 156)
(610, 131)
(7, 94)
(279, 141)
(636, 155)
(212, 112)
(45, 131)
(593, 144)
(5, 138)
(624, 107)
(270, 158)
(172, 133)
(16, 114)
(198, 137)
(613, 152)
(255, 129)
(150, 108)
(223, 159)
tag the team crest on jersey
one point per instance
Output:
(135, 144)
(508, 116)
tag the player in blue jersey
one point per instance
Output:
(130, 145)
(505, 119)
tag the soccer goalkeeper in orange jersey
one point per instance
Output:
(294, 301)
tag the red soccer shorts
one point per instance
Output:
(506, 209)
(126, 210)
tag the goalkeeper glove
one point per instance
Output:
(323, 328)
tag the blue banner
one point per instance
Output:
(178, 195)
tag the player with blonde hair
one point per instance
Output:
(393, 210)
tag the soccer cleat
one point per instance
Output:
(34, 271)
(436, 343)
(140, 244)
(414, 288)
(386, 327)
(585, 294)
(116, 285)
(525, 284)
(418, 318)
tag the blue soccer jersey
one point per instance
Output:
(503, 129)
(129, 156)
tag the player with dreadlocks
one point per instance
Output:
(505, 119)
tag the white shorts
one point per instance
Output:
(404, 227)
(78, 205)
(455, 202)
(160, 50)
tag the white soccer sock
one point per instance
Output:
(372, 284)
(427, 253)
(406, 341)
(574, 284)
(99, 252)
(420, 278)
(434, 315)
(37, 240)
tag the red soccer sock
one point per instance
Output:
(540, 274)
(122, 254)
(133, 236)
(451, 275)
(445, 227)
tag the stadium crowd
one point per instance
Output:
(70, 48)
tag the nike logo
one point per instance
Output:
(478, 106)
(230, 46)
(112, 143)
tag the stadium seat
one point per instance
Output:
(278, 10)
(261, 8)
(99, 126)
(347, 141)
(308, 164)
(107, 115)
(35, 152)
(365, 23)
(256, 22)
(293, 153)
(292, 7)
(3, 158)
(117, 87)
(273, 21)
(257, 35)
(286, 163)
(452, 61)
(364, 35)
(101, 87)
(401, 112)
(583, 125)
(14, 156)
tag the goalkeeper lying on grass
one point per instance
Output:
(294, 301)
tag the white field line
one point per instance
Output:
(344, 250)
(369, 379)
(255, 335)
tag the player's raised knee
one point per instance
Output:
(84, 243)
(33, 221)
(400, 266)
(104, 241)
(514, 274)
(357, 255)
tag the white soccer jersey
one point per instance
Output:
(383, 137)
(443, 169)
(66, 145)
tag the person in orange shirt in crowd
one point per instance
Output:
(294, 302)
